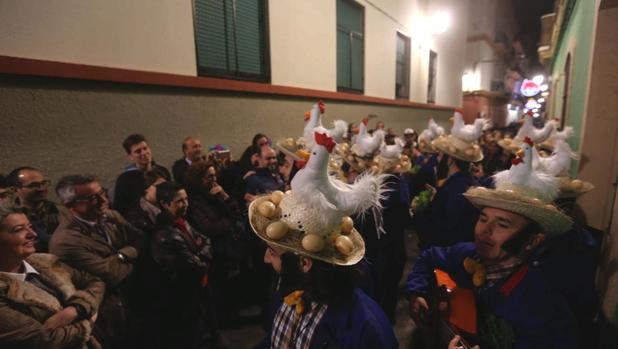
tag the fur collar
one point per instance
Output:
(27, 294)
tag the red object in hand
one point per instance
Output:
(325, 140)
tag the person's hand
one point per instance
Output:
(418, 309)
(249, 198)
(433, 191)
(61, 318)
(218, 190)
(453, 344)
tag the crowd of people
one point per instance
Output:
(168, 259)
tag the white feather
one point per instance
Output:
(566, 133)
(432, 132)
(340, 128)
(558, 163)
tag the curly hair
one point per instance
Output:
(9, 206)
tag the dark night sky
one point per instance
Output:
(528, 17)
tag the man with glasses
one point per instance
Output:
(100, 241)
(31, 188)
(266, 177)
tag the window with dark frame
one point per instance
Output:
(402, 67)
(433, 71)
(231, 39)
(350, 46)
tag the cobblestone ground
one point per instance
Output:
(248, 336)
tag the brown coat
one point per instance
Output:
(25, 307)
(80, 246)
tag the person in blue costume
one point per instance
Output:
(499, 266)
(314, 248)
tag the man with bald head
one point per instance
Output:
(192, 150)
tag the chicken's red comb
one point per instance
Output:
(530, 113)
(324, 140)
(322, 107)
(529, 141)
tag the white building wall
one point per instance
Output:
(135, 34)
(303, 43)
(158, 36)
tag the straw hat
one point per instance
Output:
(459, 149)
(312, 219)
(292, 240)
(292, 148)
(462, 142)
(572, 188)
(526, 192)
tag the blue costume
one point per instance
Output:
(450, 217)
(538, 315)
(361, 325)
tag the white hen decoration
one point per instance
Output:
(558, 163)
(324, 199)
(537, 135)
(432, 132)
(468, 133)
(313, 119)
(366, 144)
(522, 175)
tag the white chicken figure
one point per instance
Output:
(432, 132)
(558, 162)
(392, 151)
(313, 120)
(324, 199)
(527, 129)
(468, 133)
(566, 133)
(522, 174)
(366, 144)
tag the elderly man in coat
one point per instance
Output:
(43, 302)
(99, 241)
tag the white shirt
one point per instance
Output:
(28, 269)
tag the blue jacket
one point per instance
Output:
(450, 217)
(362, 325)
(539, 316)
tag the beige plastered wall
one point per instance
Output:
(599, 155)
(158, 36)
(66, 126)
(136, 34)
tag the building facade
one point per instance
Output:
(99, 70)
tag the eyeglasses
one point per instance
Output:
(36, 185)
(94, 197)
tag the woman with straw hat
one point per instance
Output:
(514, 293)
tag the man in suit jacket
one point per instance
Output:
(192, 151)
(100, 242)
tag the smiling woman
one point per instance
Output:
(63, 315)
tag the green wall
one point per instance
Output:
(580, 28)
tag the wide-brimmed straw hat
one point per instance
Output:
(526, 192)
(293, 239)
(509, 144)
(572, 188)
(459, 149)
(312, 219)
